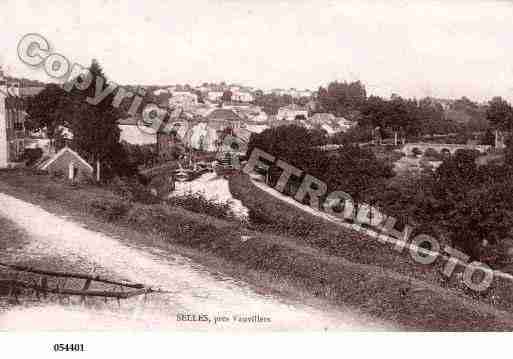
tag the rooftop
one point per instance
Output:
(223, 114)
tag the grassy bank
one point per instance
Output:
(278, 217)
(295, 268)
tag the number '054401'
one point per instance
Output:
(68, 347)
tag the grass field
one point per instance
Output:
(323, 267)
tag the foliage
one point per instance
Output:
(290, 142)
(432, 154)
(351, 168)
(111, 210)
(354, 134)
(47, 110)
(508, 151)
(271, 103)
(488, 138)
(195, 202)
(340, 98)
(132, 190)
(94, 127)
(140, 155)
(31, 155)
(500, 113)
(467, 204)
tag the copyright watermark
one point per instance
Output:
(368, 219)
(35, 50)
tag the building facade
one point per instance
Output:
(241, 96)
(184, 99)
(12, 123)
(70, 165)
(292, 112)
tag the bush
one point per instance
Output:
(195, 202)
(112, 210)
(433, 155)
(133, 191)
(31, 155)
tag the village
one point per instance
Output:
(198, 119)
(273, 167)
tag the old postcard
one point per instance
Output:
(244, 166)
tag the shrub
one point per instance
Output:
(110, 209)
(433, 155)
(195, 202)
(31, 155)
(133, 191)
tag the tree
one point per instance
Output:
(356, 171)
(341, 97)
(500, 114)
(48, 110)
(350, 169)
(464, 104)
(271, 103)
(456, 173)
(488, 138)
(354, 134)
(508, 151)
(397, 115)
(94, 127)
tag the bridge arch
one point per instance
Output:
(442, 148)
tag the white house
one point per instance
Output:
(292, 112)
(345, 124)
(183, 99)
(214, 95)
(203, 137)
(242, 96)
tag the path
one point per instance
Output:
(194, 289)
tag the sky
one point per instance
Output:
(445, 49)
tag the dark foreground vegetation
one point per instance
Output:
(465, 205)
(277, 217)
(368, 279)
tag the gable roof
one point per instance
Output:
(66, 149)
(223, 114)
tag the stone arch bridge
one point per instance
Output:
(451, 148)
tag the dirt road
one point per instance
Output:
(193, 289)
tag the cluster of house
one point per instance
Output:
(15, 139)
(292, 92)
(205, 130)
(199, 125)
(208, 116)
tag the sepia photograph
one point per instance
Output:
(254, 167)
